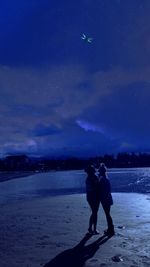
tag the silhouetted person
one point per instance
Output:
(92, 195)
(106, 198)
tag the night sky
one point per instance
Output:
(61, 95)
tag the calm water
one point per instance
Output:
(66, 182)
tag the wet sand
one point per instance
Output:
(47, 232)
(5, 176)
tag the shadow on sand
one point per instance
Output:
(78, 255)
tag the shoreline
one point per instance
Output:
(11, 175)
(34, 233)
(131, 183)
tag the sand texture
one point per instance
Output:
(51, 232)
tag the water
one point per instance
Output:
(68, 182)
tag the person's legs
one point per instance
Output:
(108, 218)
(93, 218)
(89, 199)
(90, 223)
(95, 212)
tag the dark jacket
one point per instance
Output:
(92, 188)
(105, 191)
(91, 183)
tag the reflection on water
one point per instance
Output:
(68, 182)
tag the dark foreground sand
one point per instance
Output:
(33, 233)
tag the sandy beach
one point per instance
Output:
(48, 232)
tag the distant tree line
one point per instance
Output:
(25, 163)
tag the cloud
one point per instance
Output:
(125, 115)
(44, 130)
(65, 95)
(29, 146)
(87, 126)
(41, 103)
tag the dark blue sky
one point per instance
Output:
(61, 95)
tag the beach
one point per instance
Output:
(48, 232)
(10, 175)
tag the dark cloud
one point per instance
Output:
(124, 115)
(59, 94)
(111, 117)
(44, 130)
